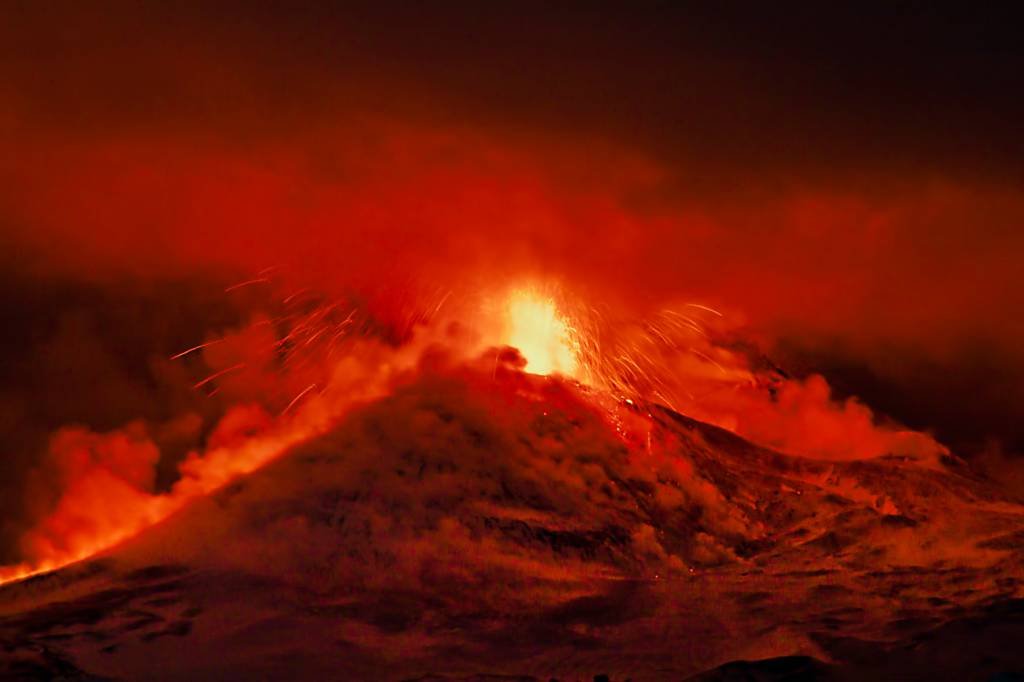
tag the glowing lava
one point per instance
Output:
(535, 327)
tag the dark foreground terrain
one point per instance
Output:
(450, 533)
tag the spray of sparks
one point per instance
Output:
(634, 360)
(626, 362)
(670, 357)
(542, 334)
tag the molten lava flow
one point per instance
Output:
(542, 335)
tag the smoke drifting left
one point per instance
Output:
(223, 231)
(659, 160)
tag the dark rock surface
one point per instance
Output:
(434, 535)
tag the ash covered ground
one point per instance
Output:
(780, 245)
(483, 523)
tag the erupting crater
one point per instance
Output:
(486, 515)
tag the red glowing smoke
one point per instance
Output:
(206, 152)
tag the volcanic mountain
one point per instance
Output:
(483, 523)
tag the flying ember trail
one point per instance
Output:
(312, 359)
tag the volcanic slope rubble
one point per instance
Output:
(498, 525)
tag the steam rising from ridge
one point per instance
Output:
(94, 490)
(153, 160)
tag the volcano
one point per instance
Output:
(511, 341)
(484, 523)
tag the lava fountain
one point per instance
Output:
(541, 333)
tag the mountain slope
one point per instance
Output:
(500, 523)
